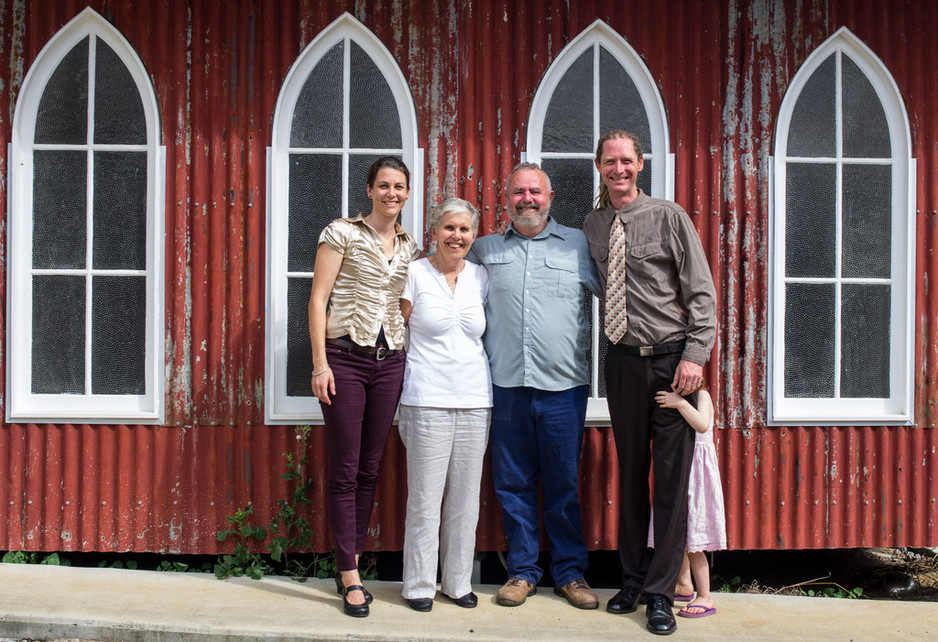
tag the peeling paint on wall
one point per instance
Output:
(473, 68)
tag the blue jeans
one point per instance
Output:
(539, 434)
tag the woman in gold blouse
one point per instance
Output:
(357, 335)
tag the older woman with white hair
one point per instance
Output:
(445, 409)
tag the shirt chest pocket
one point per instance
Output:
(501, 271)
(561, 276)
(648, 260)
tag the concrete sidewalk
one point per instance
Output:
(48, 602)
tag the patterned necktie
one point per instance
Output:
(616, 317)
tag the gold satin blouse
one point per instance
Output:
(367, 290)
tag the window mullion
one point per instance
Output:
(838, 223)
(594, 301)
(346, 110)
(89, 215)
(596, 92)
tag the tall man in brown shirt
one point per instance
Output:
(669, 329)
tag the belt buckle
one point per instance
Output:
(646, 351)
(380, 353)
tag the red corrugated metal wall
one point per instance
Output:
(722, 68)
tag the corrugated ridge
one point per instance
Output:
(722, 69)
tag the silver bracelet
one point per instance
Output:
(316, 374)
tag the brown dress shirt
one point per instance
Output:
(669, 289)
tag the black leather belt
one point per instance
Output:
(650, 351)
(378, 352)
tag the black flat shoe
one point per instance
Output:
(467, 601)
(625, 601)
(369, 598)
(422, 604)
(660, 617)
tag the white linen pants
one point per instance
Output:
(445, 447)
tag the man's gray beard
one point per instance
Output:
(530, 220)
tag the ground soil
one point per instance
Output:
(897, 573)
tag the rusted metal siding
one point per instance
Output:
(722, 68)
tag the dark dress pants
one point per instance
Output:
(639, 422)
(357, 425)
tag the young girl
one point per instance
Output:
(706, 523)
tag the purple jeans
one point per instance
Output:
(357, 425)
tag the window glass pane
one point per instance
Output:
(118, 110)
(373, 118)
(572, 182)
(358, 165)
(813, 129)
(58, 348)
(620, 105)
(59, 208)
(299, 351)
(568, 123)
(118, 335)
(867, 221)
(63, 109)
(866, 133)
(865, 317)
(120, 210)
(810, 220)
(315, 199)
(604, 344)
(317, 119)
(809, 340)
(644, 179)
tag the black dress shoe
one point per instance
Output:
(467, 601)
(355, 610)
(625, 601)
(660, 617)
(369, 598)
(422, 604)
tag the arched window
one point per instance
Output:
(842, 244)
(596, 83)
(86, 238)
(344, 103)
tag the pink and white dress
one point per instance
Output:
(706, 517)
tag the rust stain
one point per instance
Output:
(217, 71)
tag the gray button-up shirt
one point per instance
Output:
(537, 313)
(669, 289)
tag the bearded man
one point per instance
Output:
(537, 338)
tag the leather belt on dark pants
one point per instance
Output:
(379, 353)
(650, 351)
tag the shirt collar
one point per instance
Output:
(636, 202)
(553, 228)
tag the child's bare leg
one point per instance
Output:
(684, 586)
(701, 571)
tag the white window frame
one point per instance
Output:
(23, 405)
(280, 408)
(898, 408)
(661, 161)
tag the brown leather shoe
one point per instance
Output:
(579, 594)
(515, 592)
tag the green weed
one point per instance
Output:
(243, 561)
(289, 531)
(24, 557)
